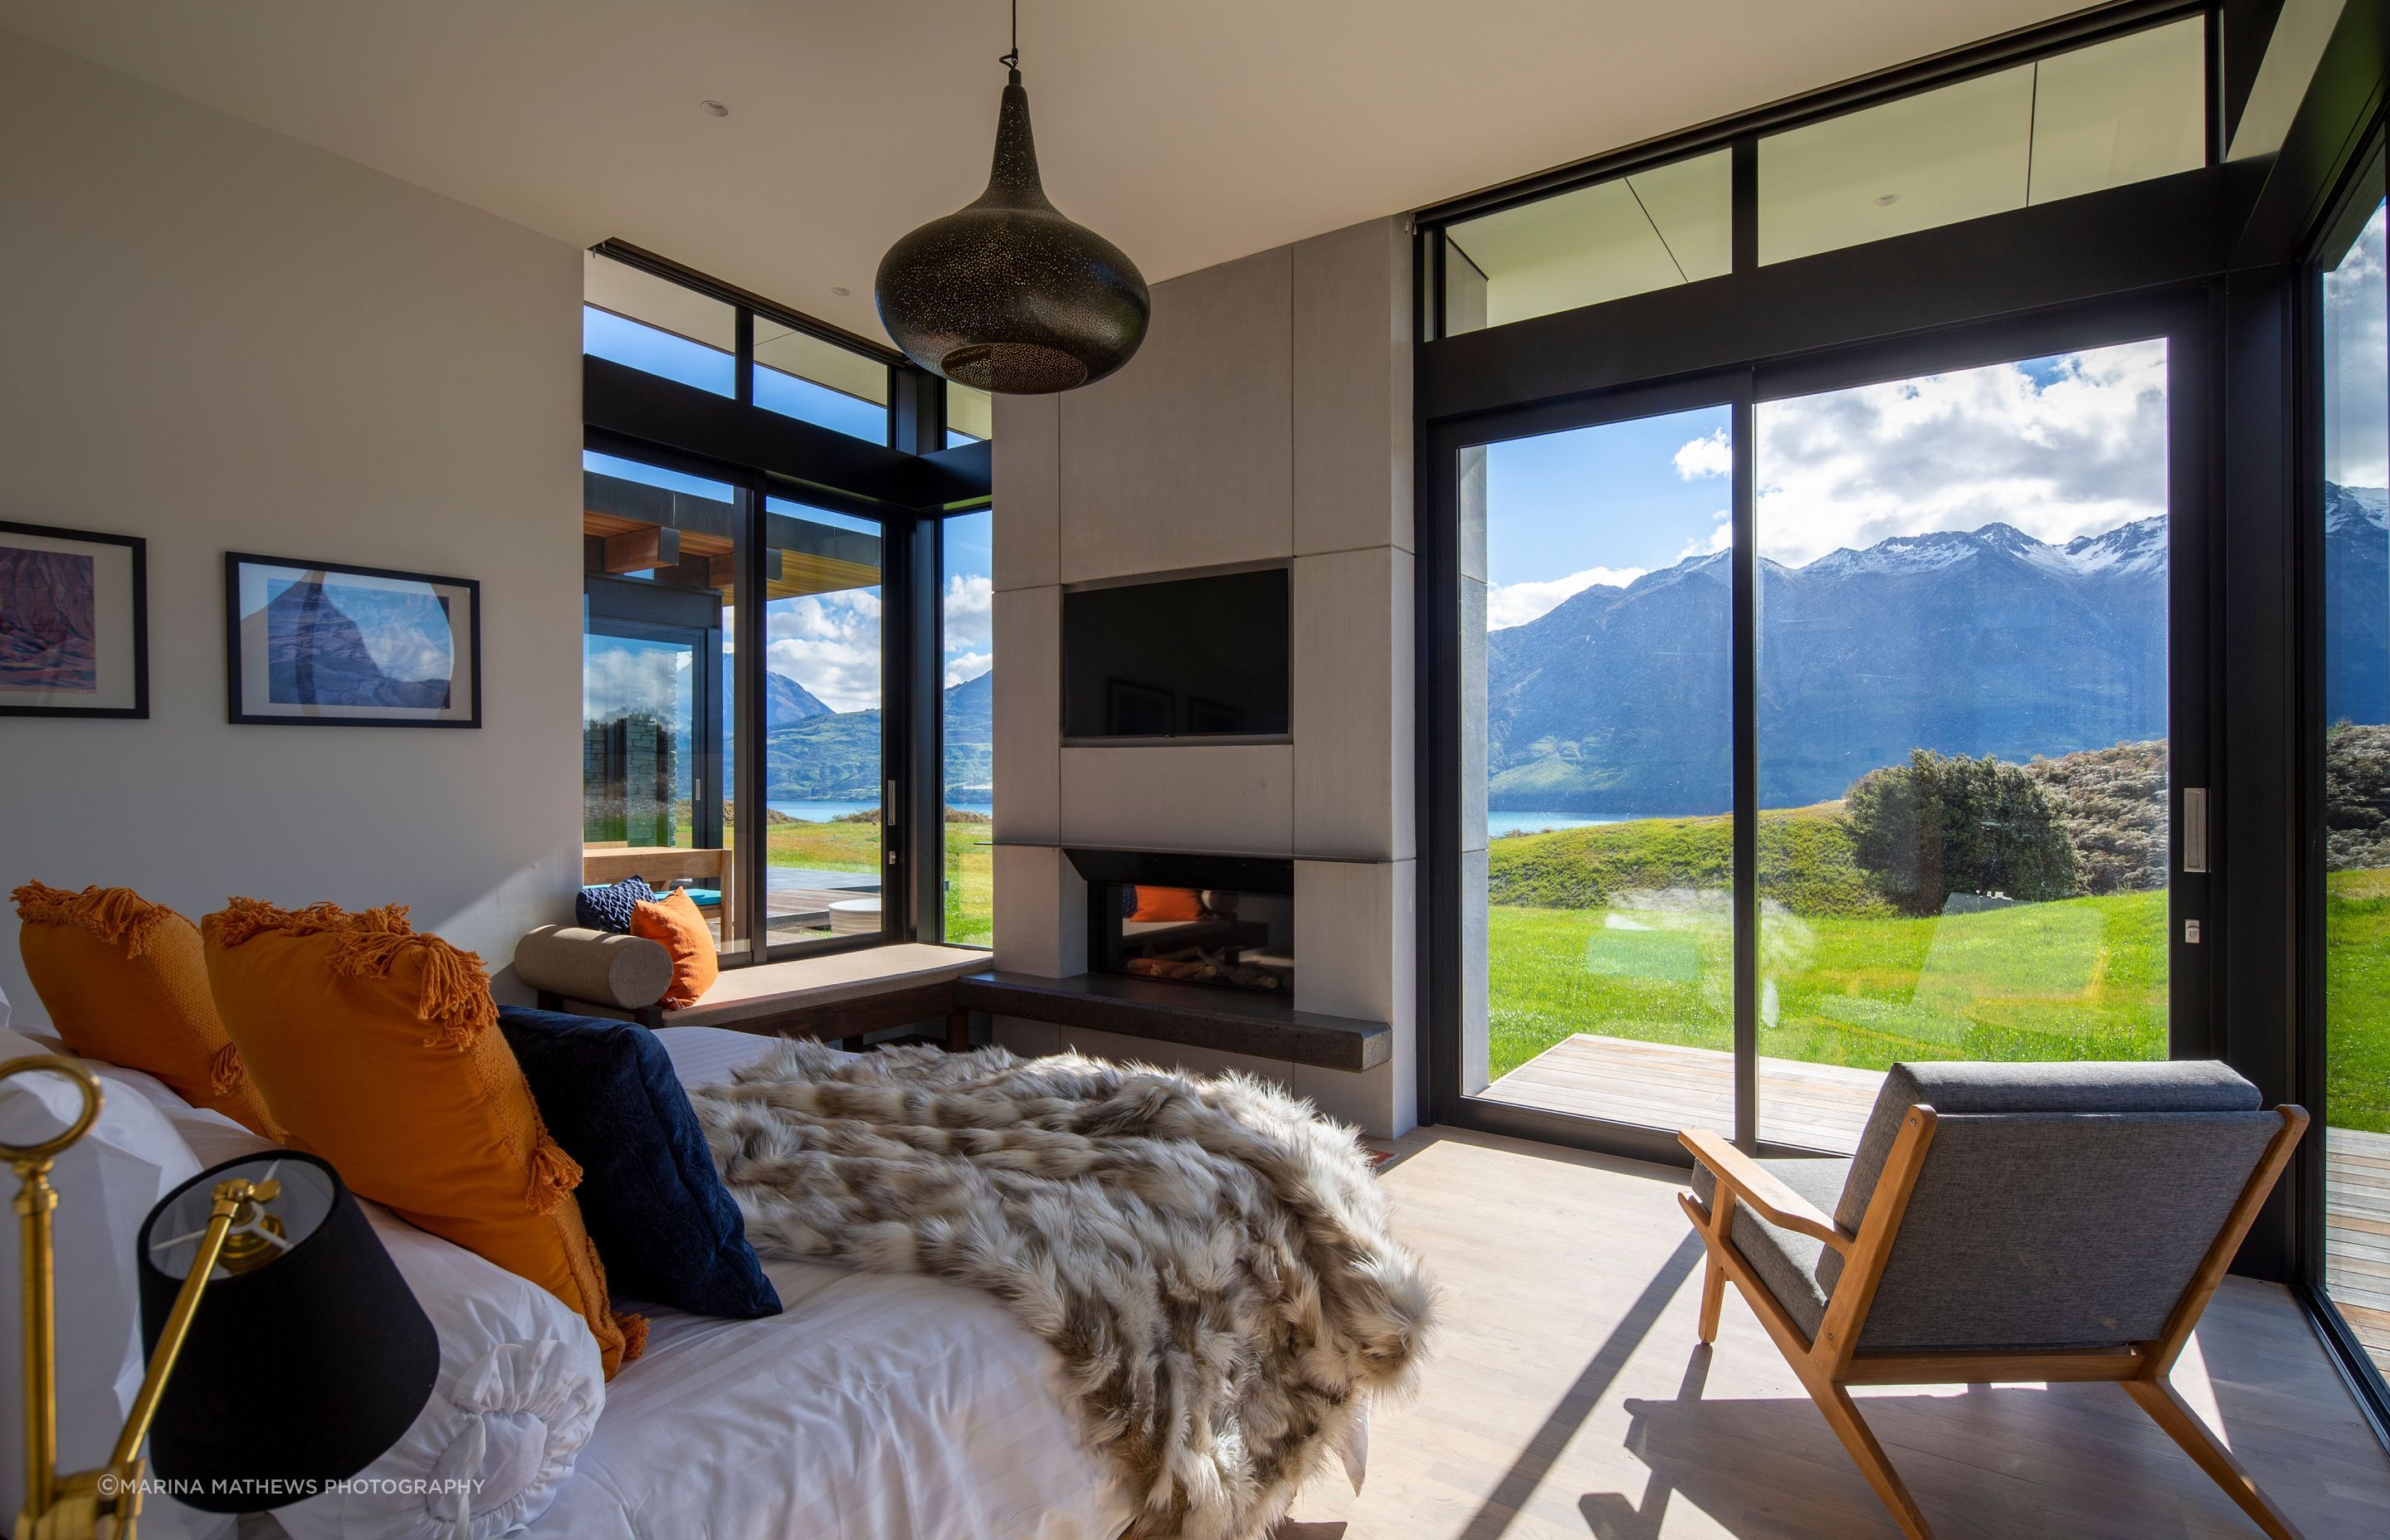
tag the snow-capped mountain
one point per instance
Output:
(1983, 641)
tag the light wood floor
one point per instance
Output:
(1825, 1106)
(1568, 1398)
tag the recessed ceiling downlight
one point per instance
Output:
(1887, 201)
(715, 109)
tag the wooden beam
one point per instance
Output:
(642, 550)
(722, 570)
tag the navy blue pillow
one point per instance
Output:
(608, 909)
(664, 1225)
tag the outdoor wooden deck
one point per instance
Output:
(1825, 1106)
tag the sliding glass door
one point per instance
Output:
(1603, 638)
(2354, 540)
(1962, 723)
(1820, 717)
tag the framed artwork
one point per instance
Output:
(310, 642)
(75, 623)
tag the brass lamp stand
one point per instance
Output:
(102, 1504)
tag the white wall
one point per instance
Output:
(221, 339)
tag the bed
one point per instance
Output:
(873, 1407)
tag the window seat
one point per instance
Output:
(843, 995)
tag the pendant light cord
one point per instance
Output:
(1012, 60)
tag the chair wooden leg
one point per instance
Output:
(1713, 1297)
(1842, 1416)
(2167, 1410)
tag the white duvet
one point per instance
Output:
(873, 1407)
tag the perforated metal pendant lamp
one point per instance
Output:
(1005, 293)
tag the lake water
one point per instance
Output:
(1500, 823)
(1497, 823)
(823, 812)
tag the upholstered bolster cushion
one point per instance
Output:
(601, 968)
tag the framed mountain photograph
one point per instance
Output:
(308, 642)
(75, 623)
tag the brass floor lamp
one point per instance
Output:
(305, 1277)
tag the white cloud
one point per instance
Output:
(969, 606)
(619, 679)
(2078, 452)
(967, 665)
(2356, 336)
(1720, 538)
(1510, 604)
(1711, 455)
(829, 643)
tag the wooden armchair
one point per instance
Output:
(2001, 1222)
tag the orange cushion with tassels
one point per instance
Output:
(377, 1049)
(124, 982)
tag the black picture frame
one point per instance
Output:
(138, 638)
(240, 711)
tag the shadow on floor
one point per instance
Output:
(1771, 1469)
(1535, 1463)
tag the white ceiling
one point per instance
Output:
(1188, 133)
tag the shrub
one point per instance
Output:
(2112, 802)
(1934, 827)
(2356, 797)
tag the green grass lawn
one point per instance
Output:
(2082, 978)
(2357, 996)
(1622, 930)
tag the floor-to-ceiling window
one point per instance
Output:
(1964, 791)
(1606, 664)
(659, 674)
(763, 615)
(968, 648)
(2355, 542)
(1821, 536)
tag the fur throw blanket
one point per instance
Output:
(1210, 1258)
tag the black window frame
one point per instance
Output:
(2227, 242)
(908, 485)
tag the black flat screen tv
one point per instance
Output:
(1190, 658)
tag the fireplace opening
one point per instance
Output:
(1215, 921)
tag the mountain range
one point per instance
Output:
(1978, 642)
(823, 755)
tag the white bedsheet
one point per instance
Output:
(874, 1407)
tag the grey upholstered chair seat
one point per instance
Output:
(1786, 1261)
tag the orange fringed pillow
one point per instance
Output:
(675, 921)
(1167, 903)
(377, 1049)
(124, 982)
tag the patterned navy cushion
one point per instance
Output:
(608, 909)
(666, 1227)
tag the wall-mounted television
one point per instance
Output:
(1189, 657)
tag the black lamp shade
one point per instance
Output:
(302, 1370)
(1007, 294)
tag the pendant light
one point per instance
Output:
(1006, 294)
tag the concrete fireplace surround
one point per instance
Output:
(1266, 422)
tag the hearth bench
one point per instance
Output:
(842, 996)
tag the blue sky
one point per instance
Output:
(1610, 500)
